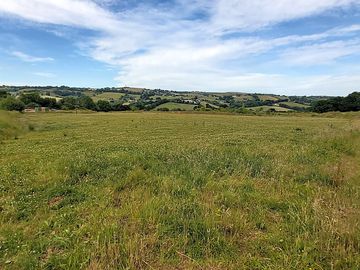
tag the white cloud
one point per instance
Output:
(45, 74)
(160, 47)
(220, 81)
(320, 54)
(332, 85)
(230, 15)
(80, 13)
(31, 59)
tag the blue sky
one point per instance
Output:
(308, 47)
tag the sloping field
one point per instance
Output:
(107, 96)
(267, 97)
(293, 104)
(10, 125)
(267, 108)
(174, 106)
(181, 191)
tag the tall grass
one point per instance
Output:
(181, 191)
(10, 127)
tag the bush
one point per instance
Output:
(103, 106)
(87, 103)
(68, 103)
(12, 104)
(28, 98)
(121, 107)
(3, 94)
(342, 104)
(163, 109)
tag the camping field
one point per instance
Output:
(179, 191)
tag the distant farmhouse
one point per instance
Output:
(36, 109)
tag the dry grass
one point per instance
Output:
(181, 191)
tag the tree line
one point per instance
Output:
(340, 104)
(33, 100)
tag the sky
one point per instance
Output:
(304, 47)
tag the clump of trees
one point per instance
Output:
(341, 104)
(9, 103)
(295, 108)
(34, 100)
(87, 103)
(3, 94)
(255, 101)
(72, 103)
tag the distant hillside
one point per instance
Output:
(158, 99)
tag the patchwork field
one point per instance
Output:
(179, 191)
(107, 96)
(176, 106)
(267, 108)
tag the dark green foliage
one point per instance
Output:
(148, 105)
(12, 104)
(49, 102)
(69, 103)
(103, 106)
(28, 98)
(3, 94)
(32, 100)
(87, 103)
(120, 107)
(82, 102)
(342, 104)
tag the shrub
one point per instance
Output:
(342, 104)
(87, 103)
(163, 109)
(12, 104)
(3, 94)
(103, 106)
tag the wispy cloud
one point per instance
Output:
(31, 59)
(231, 15)
(186, 45)
(45, 74)
(80, 13)
(320, 54)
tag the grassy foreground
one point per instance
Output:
(180, 191)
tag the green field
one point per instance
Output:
(179, 191)
(267, 97)
(267, 108)
(293, 104)
(174, 106)
(107, 96)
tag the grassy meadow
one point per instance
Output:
(179, 191)
(175, 106)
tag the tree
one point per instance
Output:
(86, 102)
(103, 106)
(3, 94)
(31, 98)
(68, 103)
(49, 102)
(352, 102)
(12, 104)
(164, 109)
(342, 104)
(120, 107)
